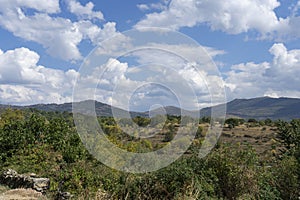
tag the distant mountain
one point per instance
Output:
(101, 109)
(261, 108)
(171, 110)
(258, 108)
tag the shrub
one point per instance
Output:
(232, 122)
(287, 178)
(235, 171)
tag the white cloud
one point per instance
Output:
(157, 72)
(230, 16)
(278, 78)
(188, 68)
(23, 95)
(84, 12)
(23, 81)
(176, 55)
(19, 66)
(107, 83)
(162, 5)
(143, 7)
(60, 36)
(94, 33)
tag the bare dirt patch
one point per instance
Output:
(22, 194)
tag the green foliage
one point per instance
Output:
(169, 136)
(205, 120)
(287, 178)
(12, 138)
(290, 133)
(267, 185)
(10, 115)
(142, 121)
(235, 171)
(268, 122)
(251, 120)
(261, 122)
(47, 144)
(199, 132)
(233, 122)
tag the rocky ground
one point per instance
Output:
(25, 186)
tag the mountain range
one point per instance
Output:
(257, 108)
(261, 108)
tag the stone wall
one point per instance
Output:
(14, 180)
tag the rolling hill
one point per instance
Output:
(262, 108)
(258, 108)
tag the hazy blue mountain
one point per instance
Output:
(262, 108)
(258, 108)
(101, 109)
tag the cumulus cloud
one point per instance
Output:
(94, 33)
(84, 12)
(162, 5)
(107, 83)
(155, 76)
(23, 95)
(277, 78)
(231, 16)
(122, 84)
(19, 66)
(60, 36)
(151, 75)
(155, 52)
(23, 81)
(143, 7)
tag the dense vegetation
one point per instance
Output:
(46, 143)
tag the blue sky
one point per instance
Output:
(254, 43)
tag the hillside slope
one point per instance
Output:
(262, 108)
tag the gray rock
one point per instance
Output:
(64, 195)
(14, 180)
(41, 184)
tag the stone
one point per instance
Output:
(64, 195)
(41, 184)
(14, 180)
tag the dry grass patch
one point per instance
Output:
(22, 194)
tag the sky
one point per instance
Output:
(46, 45)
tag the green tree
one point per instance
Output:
(142, 121)
(268, 122)
(252, 120)
(289, 133)
(10, 115)
(232, 122)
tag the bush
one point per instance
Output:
(252, 120)
(287, 178)
(235, 170)
(289, 134)
(232, 122)
(268, 122)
